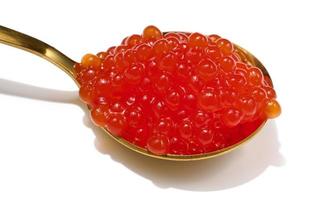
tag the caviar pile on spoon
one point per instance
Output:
(176, 93)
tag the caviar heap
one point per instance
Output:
(176, 93)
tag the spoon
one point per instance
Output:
(37, 47)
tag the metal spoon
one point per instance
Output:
(37, 47)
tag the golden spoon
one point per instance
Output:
(37, 47)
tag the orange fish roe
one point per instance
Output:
(176, 93)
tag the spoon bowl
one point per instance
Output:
(37, 47)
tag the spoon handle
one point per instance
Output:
(37, 47)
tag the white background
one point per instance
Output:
(50, 150)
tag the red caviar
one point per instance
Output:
(176, 93)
